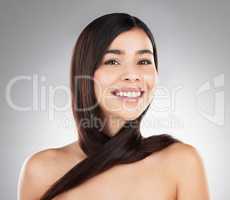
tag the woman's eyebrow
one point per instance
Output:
(120, 52)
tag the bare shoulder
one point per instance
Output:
(40, 162)
(177, 158)
(186, 165)
(52, 160)
(180, 155)
(33, 177)
(182, 150)
(175, 152)
(41, 169)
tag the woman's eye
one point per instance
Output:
(114, 62)
(110, 62)
(147, 62)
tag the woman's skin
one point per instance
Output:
(174, 173)
(130, 68)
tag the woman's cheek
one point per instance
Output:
(103, 82)
(104, 77)
(149, 80)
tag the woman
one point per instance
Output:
(113, 79)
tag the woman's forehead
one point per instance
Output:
(131, 41)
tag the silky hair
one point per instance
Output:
(103, 151)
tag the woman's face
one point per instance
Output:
(125, 81)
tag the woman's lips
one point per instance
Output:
(129, 99)
(128, 89)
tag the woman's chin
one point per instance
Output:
(129, 116)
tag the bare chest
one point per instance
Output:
(131, 182)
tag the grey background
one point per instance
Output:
(37, 38)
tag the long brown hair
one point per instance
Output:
(103, 151)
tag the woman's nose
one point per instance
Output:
(131, 76)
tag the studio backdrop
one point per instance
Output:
(192, 97)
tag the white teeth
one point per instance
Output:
(129, 94)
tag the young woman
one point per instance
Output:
(113, 79)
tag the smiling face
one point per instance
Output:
(125, 81)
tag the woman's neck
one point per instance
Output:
(113, 125)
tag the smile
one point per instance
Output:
(127, 93)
